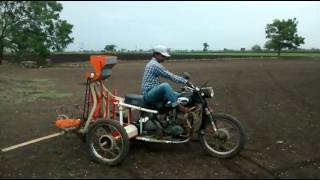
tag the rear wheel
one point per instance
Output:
(108, 142)
(227, 141)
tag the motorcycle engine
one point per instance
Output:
(149, 125)
(174, 130)
(178, 127)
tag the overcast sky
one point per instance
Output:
(184, 25)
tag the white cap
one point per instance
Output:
(162, 50)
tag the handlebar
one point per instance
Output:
(192, 87)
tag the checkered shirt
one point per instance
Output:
(151, 77)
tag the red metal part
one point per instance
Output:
(107, 106)
(115, 133)
(99, 102)
(114, 107)
(109, 99)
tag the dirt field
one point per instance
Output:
(277, 101)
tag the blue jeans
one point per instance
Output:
(162, 93)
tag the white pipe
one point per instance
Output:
(116, 97)
(121, 115)
(138, 108)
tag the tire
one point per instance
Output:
(222, 135)
(100, 145)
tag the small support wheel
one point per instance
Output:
(108, 142)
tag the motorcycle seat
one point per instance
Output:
(137, 100)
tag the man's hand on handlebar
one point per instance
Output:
(189, 84)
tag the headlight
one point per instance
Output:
(207, 92)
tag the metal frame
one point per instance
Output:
(102, 98)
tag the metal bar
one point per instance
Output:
(107, 106)
(105, 100)
(101, 97)
(89, 100)
(129, 116)
(114, 108)
(85, 100)
(121, 115)
(92, 110)
(138, 108)
(99, 102)
(152, 139)
(32, 141)
(113, 95)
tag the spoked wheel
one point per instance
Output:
(227, 141)
(108, 142)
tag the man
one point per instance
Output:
(151, 88)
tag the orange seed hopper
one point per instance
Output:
(102, 65)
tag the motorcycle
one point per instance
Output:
(107, 124)
(220, 135)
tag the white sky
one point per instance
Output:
(184, 25)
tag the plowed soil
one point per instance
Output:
(277, 102)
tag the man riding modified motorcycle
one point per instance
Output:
(151, 88)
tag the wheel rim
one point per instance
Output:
(106, 143)
(225, 140)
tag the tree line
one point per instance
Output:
(280, 34)
(35, 28)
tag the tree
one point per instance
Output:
(33, 27)
(110, 47)
(205, 46)
(256, 48)
(123, 50)
(283, 34)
